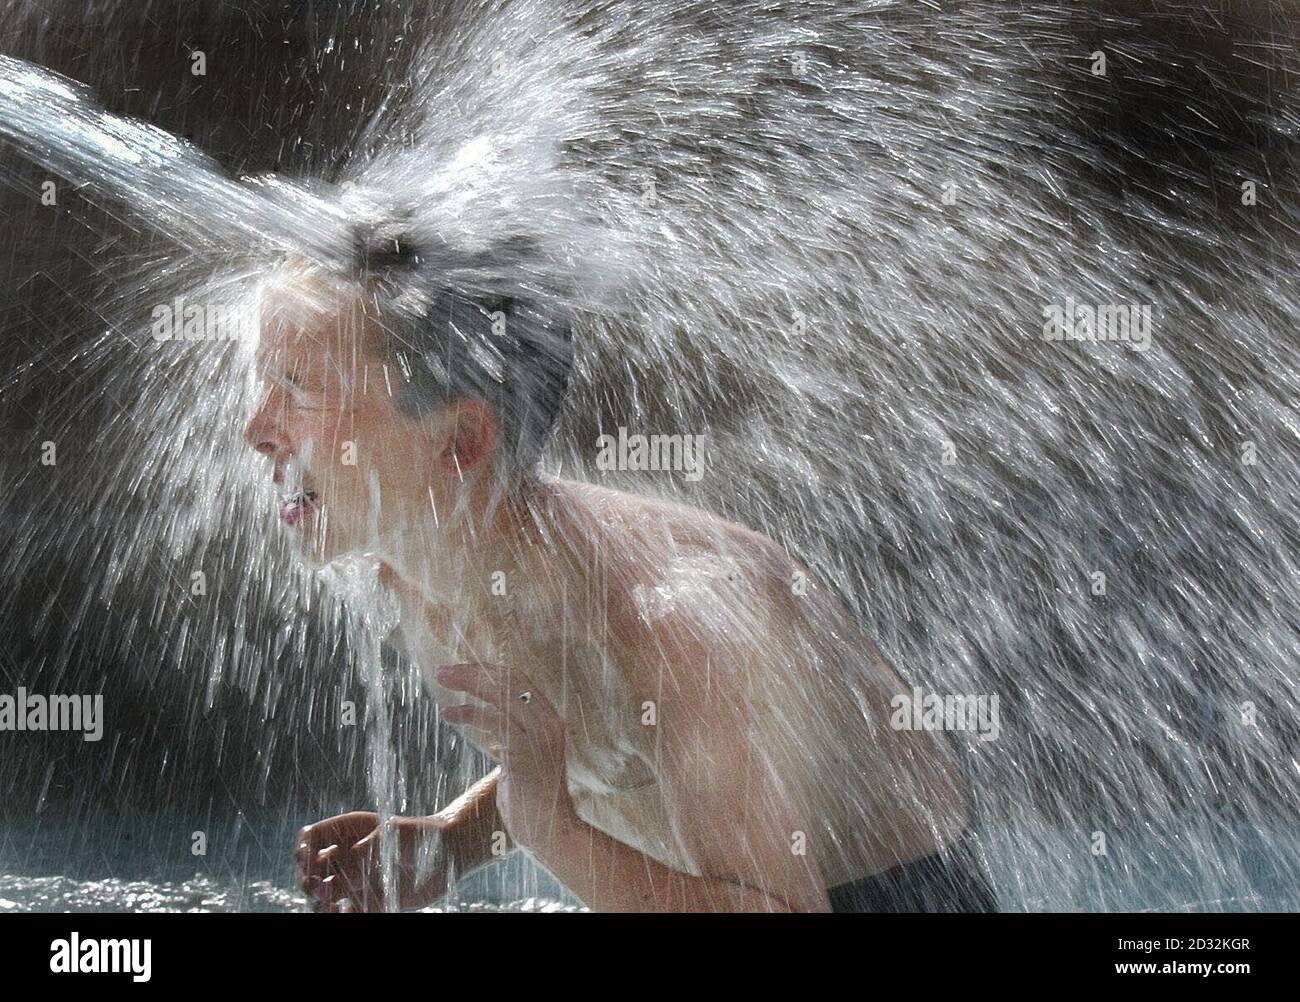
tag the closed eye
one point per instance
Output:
(303, 397)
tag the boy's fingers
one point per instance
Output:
(480, 680)
(330, 863)
(351, 875)
(502, 688)
(494, 722)
(330, 858)
(486, 719)
(502, 729)
(345, 828)
(493, 684)
(309, 842)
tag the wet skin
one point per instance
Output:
(696, 616)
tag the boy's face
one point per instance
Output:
(347, 461)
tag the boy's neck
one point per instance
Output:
(494, 545)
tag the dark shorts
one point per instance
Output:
(948, 881)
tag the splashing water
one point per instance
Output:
(827, 243)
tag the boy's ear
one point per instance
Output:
(473, 439)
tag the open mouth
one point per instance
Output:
(297, 506)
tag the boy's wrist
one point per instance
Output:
(474, 840)
(568, 835)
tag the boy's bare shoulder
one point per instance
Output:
(661, 527)
(684, 584)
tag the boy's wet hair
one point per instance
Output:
(506, 349)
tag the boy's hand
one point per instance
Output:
(532, 792)
(340, 867)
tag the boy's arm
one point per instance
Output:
(744, 851)
(728, 810)
(474, 827)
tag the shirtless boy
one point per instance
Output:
(682, 719)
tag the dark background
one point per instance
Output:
(288, 87)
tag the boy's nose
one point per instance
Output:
(262, 432)
(265, 446)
